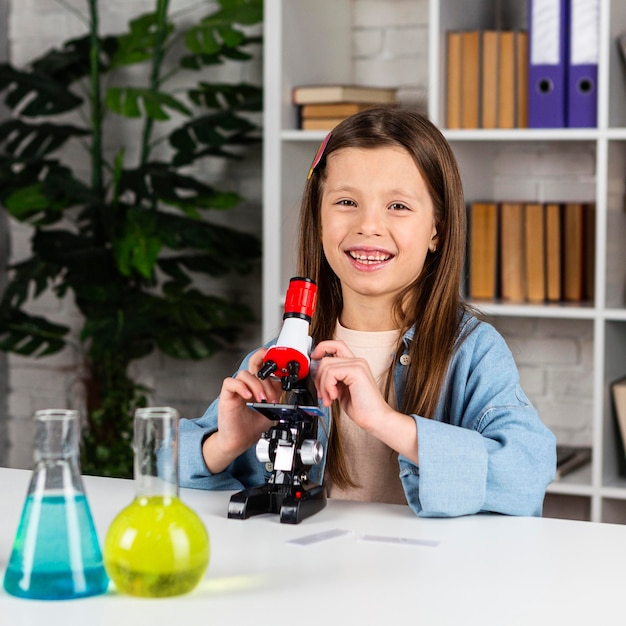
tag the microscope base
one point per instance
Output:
(268, 498)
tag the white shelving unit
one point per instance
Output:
(296, 54)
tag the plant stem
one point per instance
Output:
(96, 100)
(157, 60)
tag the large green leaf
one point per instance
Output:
(199, 60)
(30, 335)
(138, 44)
(29, 142)
(29, 278)
(156, 181)
(138, 245)
(41, 199)
(72, 62)
(35, 95)
(195, 326)
(217, 250)
(245, 12)
(228, 96)
(215, 134)
(219, 30)
(129, 102)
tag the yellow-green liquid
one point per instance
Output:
(156, 547)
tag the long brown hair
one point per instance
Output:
(432, 303)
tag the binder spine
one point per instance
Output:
(583, 64)
(547, 99)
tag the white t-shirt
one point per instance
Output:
(372, 465)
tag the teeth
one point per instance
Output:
(374, 257)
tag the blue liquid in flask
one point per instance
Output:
(56, 554)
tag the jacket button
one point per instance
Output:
(405, 359)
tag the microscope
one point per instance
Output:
(290, 447)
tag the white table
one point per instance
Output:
(480, 569)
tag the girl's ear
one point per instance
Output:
(434, 240)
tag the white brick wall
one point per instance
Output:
(555, 361)
(390, 45)
(389, 48)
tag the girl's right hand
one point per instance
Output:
(239, 426)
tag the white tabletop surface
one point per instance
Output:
(479, 569)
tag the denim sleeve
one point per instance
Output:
(486, 450)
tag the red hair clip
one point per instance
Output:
(318, 156)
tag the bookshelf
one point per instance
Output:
(585, 165)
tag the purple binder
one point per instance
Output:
(547, 66)
(582, 96)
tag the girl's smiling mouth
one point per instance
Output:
(369, 257)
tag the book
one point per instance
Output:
(521, 66)
(573, 244)
(453, 79)
(470, 79)
(512, 281)
(618, 399)
(341, 109)
(589, 251)
(534, 252)
(553, 252)
(506, 80)
(483, 250)
(489, 79)
(570, 458)
(315, 94)
(320, 123)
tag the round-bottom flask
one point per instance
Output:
(157, 546)
(56, 554)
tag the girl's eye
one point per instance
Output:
(346, 202)
(398, 206)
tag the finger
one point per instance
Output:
(248, 386)
(331, 348)
(256, 360)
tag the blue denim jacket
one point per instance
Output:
(485, 449)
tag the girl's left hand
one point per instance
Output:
(342, 376)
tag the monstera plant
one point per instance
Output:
(128, 241)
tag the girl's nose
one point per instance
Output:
(369, 222)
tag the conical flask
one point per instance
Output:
(157, 546)
(56, 554)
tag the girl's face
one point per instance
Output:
(378, 221)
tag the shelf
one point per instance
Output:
(504, 135)
(524, 134)
(616, 315)
(560, 310)
(303, 135)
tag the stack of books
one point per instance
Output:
(531, 252)
(322, 107)
(487, 79)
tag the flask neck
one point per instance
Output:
(156, 452)
(55, 455)
(56, 436)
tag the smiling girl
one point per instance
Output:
(425, 399)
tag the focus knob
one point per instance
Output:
(263, 450)
(311, 452)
